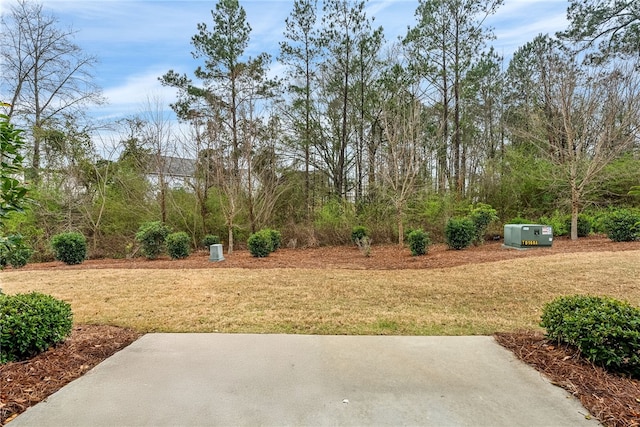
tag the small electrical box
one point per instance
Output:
(527, 235)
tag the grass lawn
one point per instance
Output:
(467, 300)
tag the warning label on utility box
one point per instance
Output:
(546, 230)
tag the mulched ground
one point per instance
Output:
(23, 384)
(612, 399)
(383, 257)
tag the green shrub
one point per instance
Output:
(482, 215)
(178, 245)
(584, 225)
(152, 236)
(459, 233)
(260, 244)
(519, 220)
(358, 232)
(418, 242)
(30, 324)
(14, 251)
(623, 225)
(606, 331)
(558, 222)
(209, 240)
(276, 238)
(70, 248)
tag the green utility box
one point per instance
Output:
(527, 235)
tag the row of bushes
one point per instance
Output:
(460, 232)
(155, 237)
(620, 225)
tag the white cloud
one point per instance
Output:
(128, 98)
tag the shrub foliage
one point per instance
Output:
(358, 232)
(482, 216)
(70, 248)
(623, 225)
(14, 251)
(584, 225)
(459, 233)
(276, 238)
(178, 245)
(418, 242)
(30, 324)
(209, 240)
(152, 236)
(605, 330)
(260, 244)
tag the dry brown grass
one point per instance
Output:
(471, 299)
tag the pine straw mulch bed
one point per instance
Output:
(23, 384)
(612, 399)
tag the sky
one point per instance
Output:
(138, 41)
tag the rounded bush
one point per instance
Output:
(14, 251)
(178, 245)
(276, 239)
(459, 233)
(209, 240)
(152, 236)
(30, 324)
(605, 330)
(482, 216)
(622, 225)
(358, 232)
(260, 244)
(584, 225)
(70, 248)
(418, 242)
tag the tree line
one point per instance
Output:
(359, 130)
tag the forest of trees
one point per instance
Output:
(389, 134)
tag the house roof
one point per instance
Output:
(175, 166)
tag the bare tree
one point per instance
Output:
(44, 73)
(401, 120)
(158, 137)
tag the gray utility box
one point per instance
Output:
(215, 253)
(527, 235)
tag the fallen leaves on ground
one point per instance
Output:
(613, 399)
(23, 384)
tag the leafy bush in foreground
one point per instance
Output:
(70, 248)
(178, 245)
(152, 235)
(260, 244)
(459, 233)
(276, 238)
(605, 330)
(418, 242)
(482, 216)
(30, 324)
(14, 251)
(623, 225)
